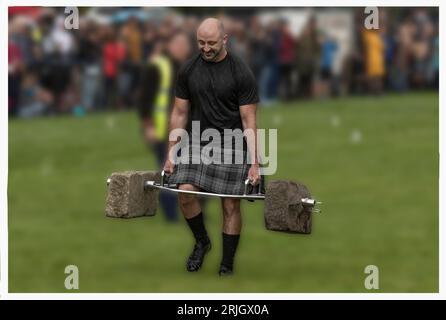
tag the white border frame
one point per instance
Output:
(212, 296)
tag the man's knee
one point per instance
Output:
(186, 199)
(188, 187)
(231, 207)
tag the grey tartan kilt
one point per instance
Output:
(215, 178)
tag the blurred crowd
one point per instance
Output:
(294, 53)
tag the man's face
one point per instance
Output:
(211, 44)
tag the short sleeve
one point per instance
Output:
(248, 92)
(181, 87)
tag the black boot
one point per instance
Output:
(225, 271)
(230, 243)
(202, 243)
(196, 258)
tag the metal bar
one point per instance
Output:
(307, 202)
(245, 192)
(152, 184)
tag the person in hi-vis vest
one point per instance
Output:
(156, 92)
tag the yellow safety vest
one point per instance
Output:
(162, 99)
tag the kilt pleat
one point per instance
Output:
(219, 178)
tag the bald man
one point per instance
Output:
(218, 90)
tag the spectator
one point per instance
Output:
(155, 101)
(238, 41)
(286, 58)
(269, 76)
(435, 61)
(131, 37)
(256, 37)
(89, 59)
(405, 35)
(374, 60)
(328, 51)
(422, 43)
(57, 63)
(109, 53)
(307, 53)
(113, 54)
(15, 71)
(149, 39)
(34, 100)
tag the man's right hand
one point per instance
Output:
(168, 166)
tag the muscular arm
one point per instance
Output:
(248, 115)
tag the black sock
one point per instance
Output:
(196, 224)
(230, 242)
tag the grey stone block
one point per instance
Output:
(283, 208)
(126, 197)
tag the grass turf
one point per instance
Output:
(372, 160)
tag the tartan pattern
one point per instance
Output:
(215, 178)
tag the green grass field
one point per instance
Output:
(372, 160)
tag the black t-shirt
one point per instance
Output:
(215, 91)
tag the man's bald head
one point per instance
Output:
(211, 27)
(212, 39)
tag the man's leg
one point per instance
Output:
(191, 209)
(189, 204)
(232, 225)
